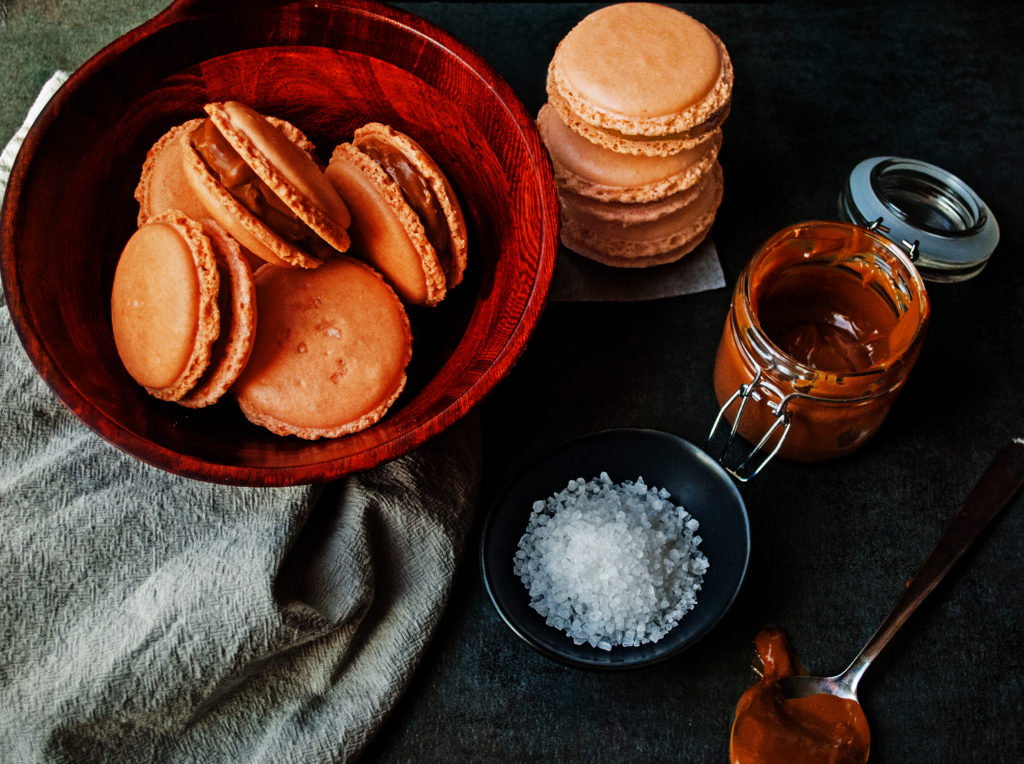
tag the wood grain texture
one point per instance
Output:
(328, 67)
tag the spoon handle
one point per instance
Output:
(1000, 483)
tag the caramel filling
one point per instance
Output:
(246, 187)
(415, 189)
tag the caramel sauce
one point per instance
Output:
(248, 188)
(415, 189)
(827, 318)
(771, 729)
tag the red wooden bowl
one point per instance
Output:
(328, 67)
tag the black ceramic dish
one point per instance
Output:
(695, 481)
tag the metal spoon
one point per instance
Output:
(1000, 483)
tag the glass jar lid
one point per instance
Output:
(949, 231)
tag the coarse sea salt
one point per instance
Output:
(611, 563)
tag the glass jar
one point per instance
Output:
(825, 324)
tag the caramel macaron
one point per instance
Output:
(163, 184)
(590, 170)
(641, 78)
(641, 235)
(265, 191)
(331, 350)
(406, 220)
(164, 311)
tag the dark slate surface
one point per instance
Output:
(817, 90)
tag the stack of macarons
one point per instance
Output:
(235, 278)
(637, 94)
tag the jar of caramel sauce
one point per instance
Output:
(825, 324)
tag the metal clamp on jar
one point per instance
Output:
(828, 318)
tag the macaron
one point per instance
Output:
(406, 219)
(236, 302)
(630, 236)
(633, 213)
(330, 353)
(265, 191)
(585, 168)
(168, 304)
(163, 185)
(641, 78)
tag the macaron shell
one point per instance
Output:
(642, 69)
(295, 135)
(385, 230)
(590, 170)
(331, 350)
(637, 244)
(163, 304)
(285, 168)
(454, 261)
(162, 185)
(237, 304)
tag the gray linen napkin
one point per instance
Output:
(147, 617)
